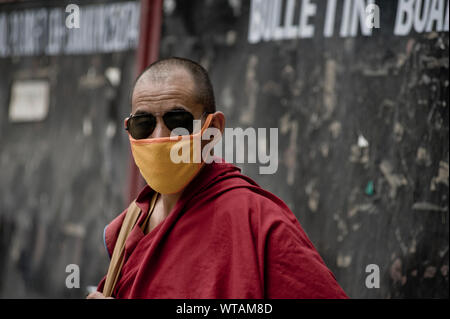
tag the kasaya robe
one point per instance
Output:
(225, 238)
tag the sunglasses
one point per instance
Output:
(142, 125)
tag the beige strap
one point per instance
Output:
(146, 222)
(115, 266)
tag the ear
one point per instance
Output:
(218, 121)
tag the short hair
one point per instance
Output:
(203, 87)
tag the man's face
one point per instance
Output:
(174, 91)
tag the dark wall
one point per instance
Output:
(64, 178)
(381, 201)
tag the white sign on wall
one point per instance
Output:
(98, 28)
(273, 21)
(29, 101)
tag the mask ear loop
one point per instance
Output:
(206, 125)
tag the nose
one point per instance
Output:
(160, 129)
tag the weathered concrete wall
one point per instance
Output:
(64, 178)
(363, 133)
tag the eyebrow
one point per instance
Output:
(138, 112)
(179, 108)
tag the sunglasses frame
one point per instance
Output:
(147, 114)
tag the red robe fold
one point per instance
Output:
(225, 238)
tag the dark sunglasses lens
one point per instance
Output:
(141, 126)
(175, 120)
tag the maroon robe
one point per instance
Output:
(225, 238)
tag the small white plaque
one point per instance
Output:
(29, 101)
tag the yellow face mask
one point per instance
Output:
(159, 162)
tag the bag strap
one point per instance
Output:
(117, 258)
(131, 217)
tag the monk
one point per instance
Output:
(205, 230)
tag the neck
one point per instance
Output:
(168, 202)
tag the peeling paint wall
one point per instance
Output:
(64, 178)
(363, 135)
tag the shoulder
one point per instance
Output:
(111, 232)
(252, 195)
(256, 205)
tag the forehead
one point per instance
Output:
(158, 91)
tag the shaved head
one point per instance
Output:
(162, 71)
